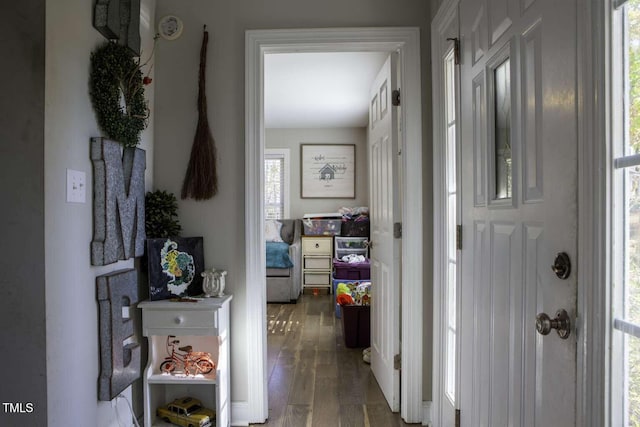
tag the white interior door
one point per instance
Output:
(385, 249)
(519, 210)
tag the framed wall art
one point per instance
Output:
(175, 266)
(327, 171)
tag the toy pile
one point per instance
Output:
(353, 293)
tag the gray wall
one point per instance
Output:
(23, 376)
(435, 5)
(292, 138)
(221, 220)
(73, 352)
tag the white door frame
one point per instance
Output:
(405, 41)
(443, 19)
(594, 215)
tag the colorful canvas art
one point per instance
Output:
(175, 266)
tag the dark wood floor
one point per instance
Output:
(314, 380)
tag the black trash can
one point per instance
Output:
(356, 325)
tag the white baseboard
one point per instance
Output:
(426, 414)
(239, 413)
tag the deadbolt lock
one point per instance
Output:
(562, 323)
(562, 266)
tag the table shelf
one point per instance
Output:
(204, 325)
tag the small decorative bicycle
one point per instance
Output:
(185, 359)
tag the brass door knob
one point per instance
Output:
(561, 323)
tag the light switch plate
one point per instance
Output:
(76, 186)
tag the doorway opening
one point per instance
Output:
(404, 41)
(320, 108)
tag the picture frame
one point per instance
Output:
(175, 266)
(327, 171)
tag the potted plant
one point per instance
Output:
(161, 211)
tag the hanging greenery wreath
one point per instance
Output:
(116, 79)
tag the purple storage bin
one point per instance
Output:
(356, 325)
(351, 271)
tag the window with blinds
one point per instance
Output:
(276, 183)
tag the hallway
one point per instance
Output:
(314, 380)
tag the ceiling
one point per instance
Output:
(319, 90)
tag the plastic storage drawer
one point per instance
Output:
(351, 245)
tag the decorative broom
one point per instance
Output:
(201, 180)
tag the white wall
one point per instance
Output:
(73, 359)
(292, 138)
(221, 219)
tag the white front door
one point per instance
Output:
(385, 249)
(519, 210)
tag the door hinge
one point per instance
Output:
(457, 418)
(459, 237)
(397, 230)
(456, 49)
(397, 362)
(395, 97)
